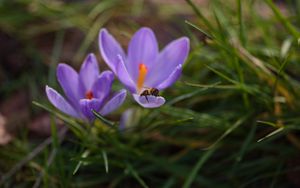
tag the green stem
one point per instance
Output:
(289, 27)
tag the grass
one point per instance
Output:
(232, 120)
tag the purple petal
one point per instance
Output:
(171, 79)
(115, 102)
(89, 72)
(173, 55)
(59, 102)
(68, 80)
(124, 76)
(110, 49)
(150, 101)
(102, 86)
(142, 48)
(87, 105)
(126, 118)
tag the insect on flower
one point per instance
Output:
(89, 90)
(144, 66)
(150, 91)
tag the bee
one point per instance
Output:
(150, 91)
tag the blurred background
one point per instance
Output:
(239, 107)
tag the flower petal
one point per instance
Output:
(173, 55)
(150, 101)
(89, 72)
(143, 48)
(87, 105)
(124, 76)
(110, 49)
(128, 118)
(59, 102)
(68, 80)
(171, 79)
(125, 118)
(102, 85)
(115, 102)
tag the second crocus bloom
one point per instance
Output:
(89, 90)
(144, 67)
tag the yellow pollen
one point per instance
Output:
(142, 75)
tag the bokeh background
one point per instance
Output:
(232, 119)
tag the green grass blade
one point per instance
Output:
(277, 131)
(85, 154)
(228, 131)
(285, 22)
(199, 14)
(188, 182)
(241, 22)
(136, 176)
(199, 29)
(104, 155)
(103, 119)
(75, 127)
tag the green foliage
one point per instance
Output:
(231, 121)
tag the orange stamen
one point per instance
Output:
(89, 95)
(142, 75)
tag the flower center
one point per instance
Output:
(89, 95)
(142, 75)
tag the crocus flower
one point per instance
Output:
(85, 91)
(144, 66)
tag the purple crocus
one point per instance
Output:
(85, 91)
(144, 66)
